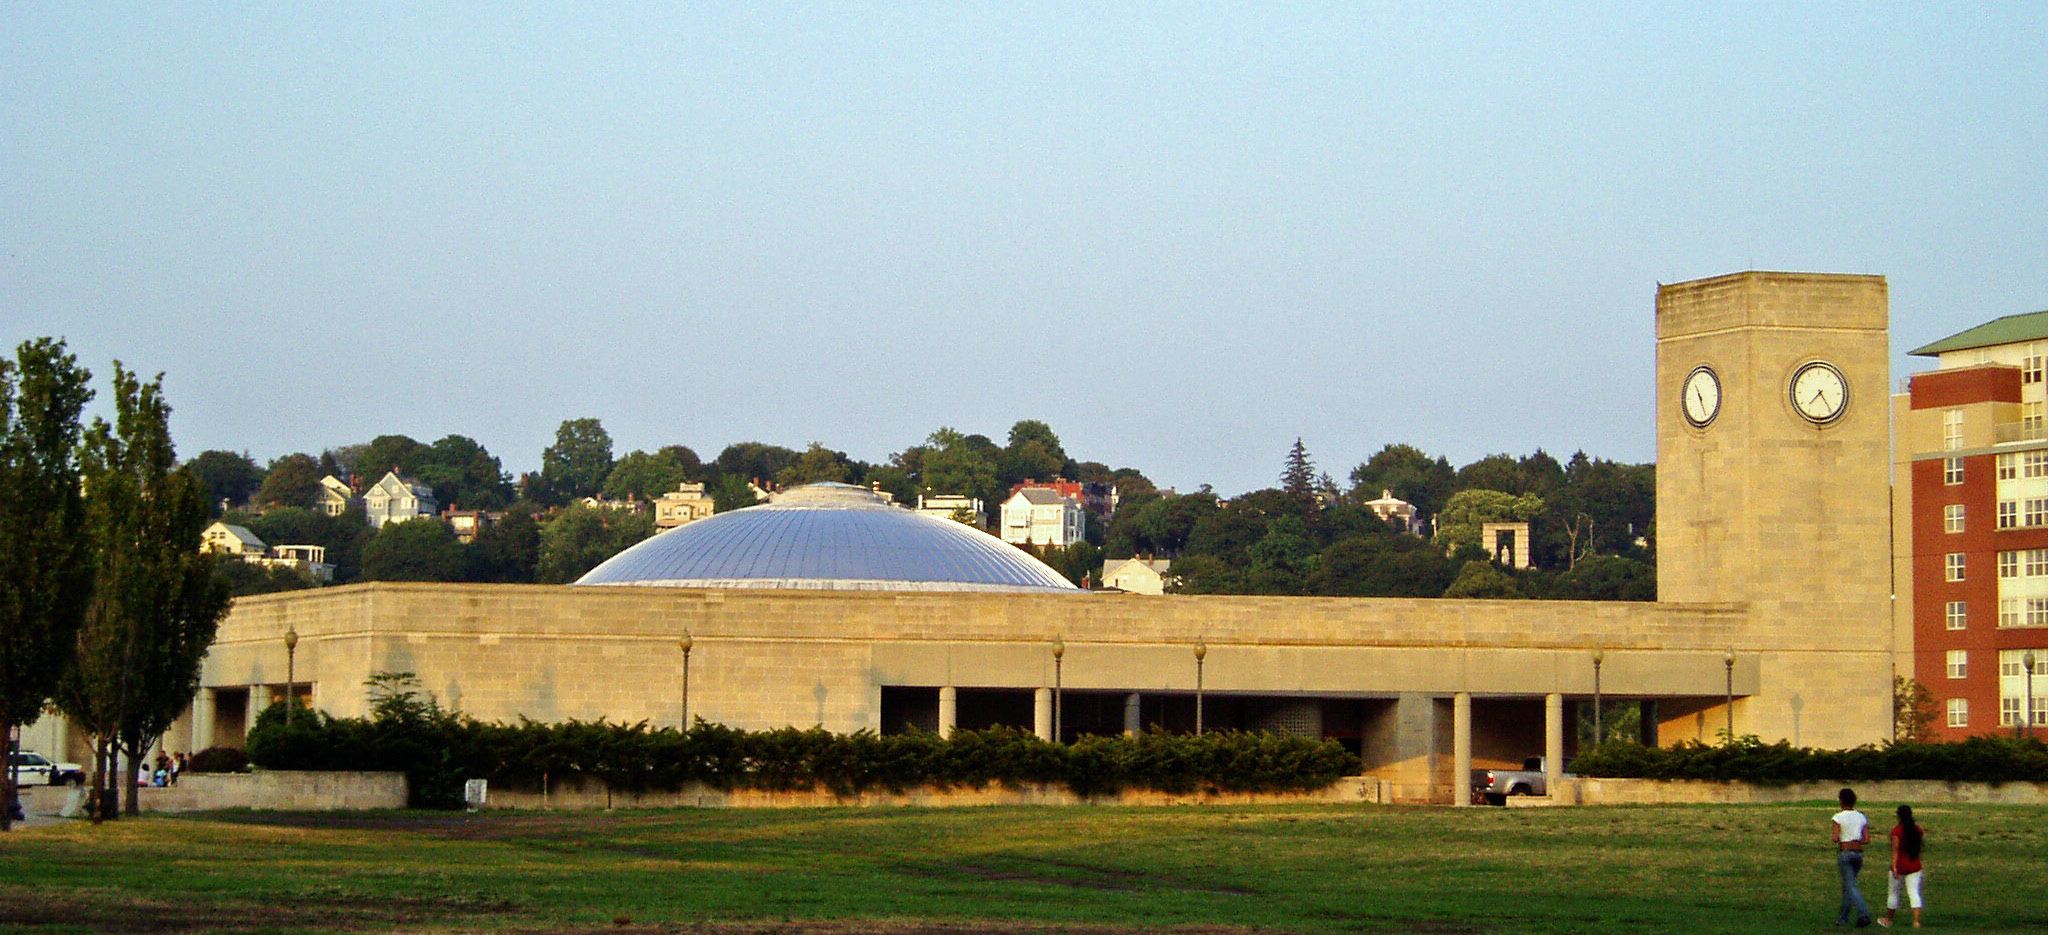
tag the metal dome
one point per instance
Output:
(828, 537)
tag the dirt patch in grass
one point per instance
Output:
(894, 927)
(108, 911)
(1064, 873)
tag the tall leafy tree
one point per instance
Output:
(1033, 453)
(230, 478)
(957, 464)
(1409, 474)
(384, 453)
(414, 550)
(463, 474)
(754, 461)
(45, 567)
(158, 596)
(579, 538)
(648, 475)
(293, 480)
(579, 460)
(817, 463)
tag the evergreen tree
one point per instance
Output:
(45, 567)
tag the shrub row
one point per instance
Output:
(1749, 759)
(438, 750)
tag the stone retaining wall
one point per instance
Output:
(1908, 791)
(283, 790)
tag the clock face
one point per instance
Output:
(1701, 401)
(1819, 392)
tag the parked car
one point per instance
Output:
(1493, 786)
(39, 770)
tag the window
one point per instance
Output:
(2030, 368)
(1952, 429)
(1955, 564)
(1952, 516)
(2008, 565)
(2008, 514)
(2008, 466)
(1958, 615)
(2034, 511)
(2037, 562)
(1951, 471)
(2034, 463)
(1958, 663)
(2012, 663)
(2008, 711)
(1959, 712)
(2031, 419)
(2008, 611)
(2037, 611)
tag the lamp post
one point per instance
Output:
(291, 673)
(686, 643)
(1599, 656)
(2027, 716)
(1201, 653)
(1059, 653)
(1728, 663)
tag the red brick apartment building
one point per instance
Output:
(1971, 526)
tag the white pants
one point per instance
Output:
(1912, 882)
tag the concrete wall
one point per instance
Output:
(1881, 795)
(269, 791)
(764, 659)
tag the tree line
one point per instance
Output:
(107, 604)
(1591, 520)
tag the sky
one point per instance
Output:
(1183, 235)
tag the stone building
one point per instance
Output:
(1773, 617)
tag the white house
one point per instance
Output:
(1043, 516)
(687, 503)
(238, 541)
(1137, 575)
(395, 499)
(1398, 514)
(233, 540)
(335, 496)
(948, 506)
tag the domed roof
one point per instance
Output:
(828, 537)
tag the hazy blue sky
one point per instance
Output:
(1182, 235)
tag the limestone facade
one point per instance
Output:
(1772, 533)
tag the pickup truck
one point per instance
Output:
(1493, 786)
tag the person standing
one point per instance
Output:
(1850, 830)
(1906, 841)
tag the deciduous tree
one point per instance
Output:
(230, 478)
(45, 568)
(293, 480)
(579, 460)
(580, 538)
(157, 597)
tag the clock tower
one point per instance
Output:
(1773, 439)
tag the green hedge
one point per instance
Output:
(1749, 759)
(438, 750)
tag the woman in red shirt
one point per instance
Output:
(1906, 843)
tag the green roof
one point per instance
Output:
(2031, 326)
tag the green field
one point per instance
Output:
(1676, 869)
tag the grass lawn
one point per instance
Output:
(1675, 869)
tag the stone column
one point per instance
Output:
(202, 721)
(259, 699)
(1553, 742)
(949, 710)
(1041, 713)
(1461, 749)
(1133, 721)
